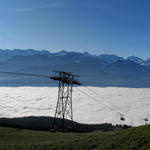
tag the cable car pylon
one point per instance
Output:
(64, 102)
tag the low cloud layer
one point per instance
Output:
(102, 105)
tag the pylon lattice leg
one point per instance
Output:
(64, 103)
(63, 107)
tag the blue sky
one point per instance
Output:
(119, 27)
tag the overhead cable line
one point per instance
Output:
(87, 94)
(25, 74)
(90, 90)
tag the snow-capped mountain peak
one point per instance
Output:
(110, 59)
(135, 59)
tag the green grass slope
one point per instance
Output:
(137, 138)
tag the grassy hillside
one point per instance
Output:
(130, 139)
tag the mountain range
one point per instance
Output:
(95, 70)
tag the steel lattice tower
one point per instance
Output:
(64, 103)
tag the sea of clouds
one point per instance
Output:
(90, 104)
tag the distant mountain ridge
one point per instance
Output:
(6, 54)
(95, 70)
